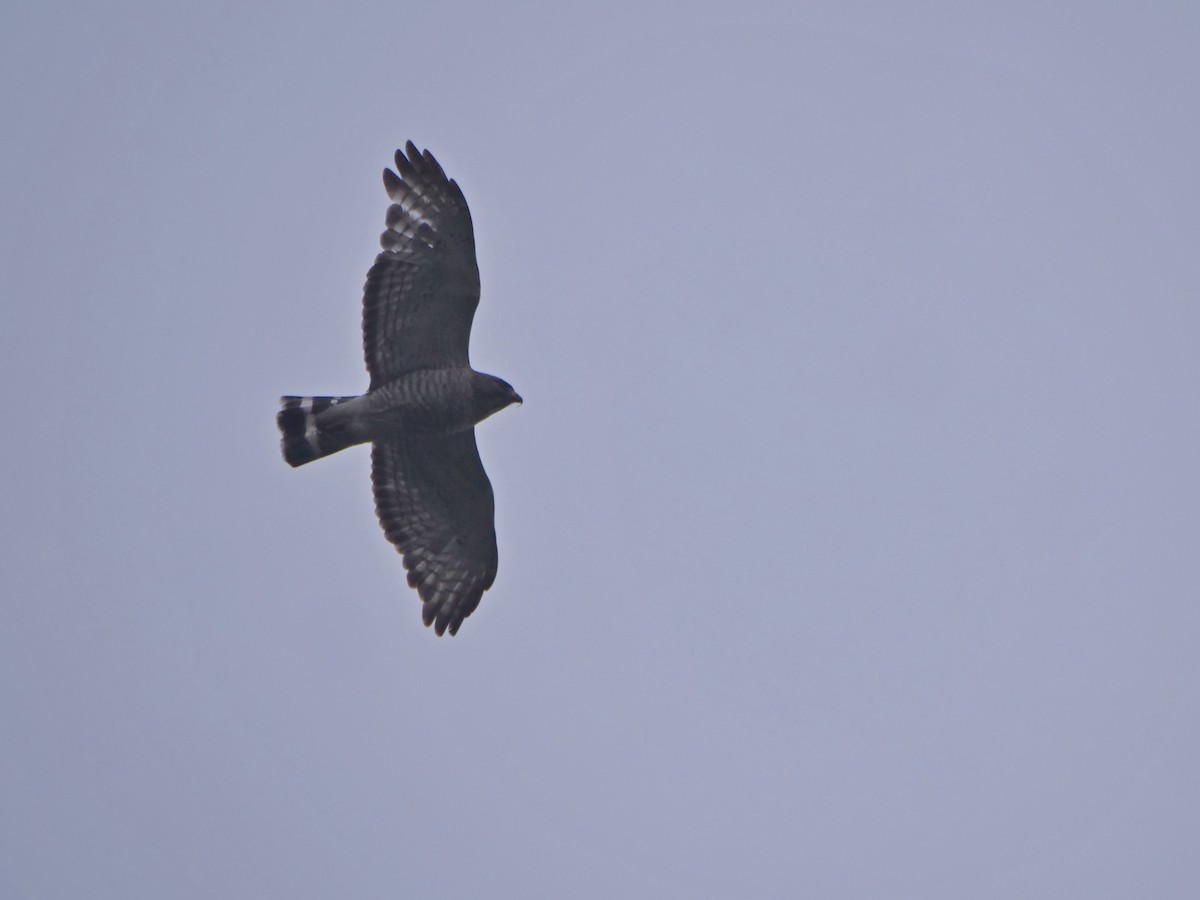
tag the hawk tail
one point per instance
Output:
(306, 434)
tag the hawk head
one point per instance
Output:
(492, 394)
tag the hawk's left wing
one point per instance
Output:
(435, 504)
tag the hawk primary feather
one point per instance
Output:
(432, 495)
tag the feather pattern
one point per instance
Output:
(435, 503)
(421, 294)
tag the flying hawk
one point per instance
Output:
(432, 496)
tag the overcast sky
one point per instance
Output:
(848, 532)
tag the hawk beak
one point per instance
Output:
(517, 398)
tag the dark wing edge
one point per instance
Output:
(421, 293)
(435, 504)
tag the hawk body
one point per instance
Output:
(432, 496)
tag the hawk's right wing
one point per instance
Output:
(421, 293)
(435, 504)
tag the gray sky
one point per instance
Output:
(847, 533)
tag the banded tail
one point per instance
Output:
(307, 435)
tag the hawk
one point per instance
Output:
(432, 495)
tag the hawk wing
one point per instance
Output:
(422, 291)
(435, 504)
